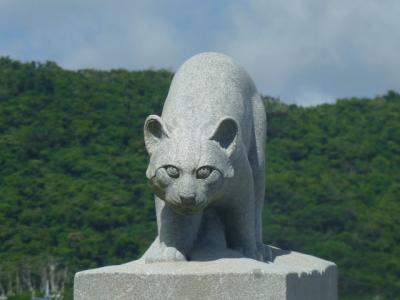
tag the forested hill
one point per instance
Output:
(73, 194)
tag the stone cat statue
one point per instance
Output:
(207, 157)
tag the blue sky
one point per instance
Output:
(303, 51)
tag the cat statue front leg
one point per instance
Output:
(176, 234)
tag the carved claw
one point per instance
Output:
(162, 253)
(250, 252)
(264, 253)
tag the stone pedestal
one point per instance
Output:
(290, 275)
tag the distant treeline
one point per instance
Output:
(73, 194)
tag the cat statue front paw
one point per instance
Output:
(159, 252)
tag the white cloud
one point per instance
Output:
(97, 34)
(299, 50)
(337, 48)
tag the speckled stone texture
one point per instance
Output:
(207, 169)
(290, 275)
(207, 158)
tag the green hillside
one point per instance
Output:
(73, 193)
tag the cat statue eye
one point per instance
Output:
(203, 172)
(172, 171)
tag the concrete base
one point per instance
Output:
(290, 275)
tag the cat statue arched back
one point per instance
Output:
(207, 161)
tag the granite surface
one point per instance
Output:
(207, 156)
(290, 275)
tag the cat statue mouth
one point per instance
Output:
(187, 209)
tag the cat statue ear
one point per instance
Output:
(226, 134)
(154, 132)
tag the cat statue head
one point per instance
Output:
(188, 167)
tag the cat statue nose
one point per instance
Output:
(188, 199)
